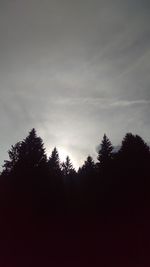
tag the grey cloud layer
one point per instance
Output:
(74, 70)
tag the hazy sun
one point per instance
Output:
(62, 154)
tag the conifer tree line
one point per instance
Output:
(118, 179)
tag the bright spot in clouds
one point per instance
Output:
(62, 154)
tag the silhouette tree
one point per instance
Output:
(132, 168)
(28, 162)
(54, 163)
(32, 152)
(87, 172)
(69, 175)
(14, 154)
(105, 152)
(88, 167)
(87, 175)
(56, 180)
(28, 154)
(67, 167)
(26, 170)
(134, 154)
(133, 146)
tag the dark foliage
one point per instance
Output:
(40, 196)
(105, 152)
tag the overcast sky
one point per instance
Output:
(74, 70)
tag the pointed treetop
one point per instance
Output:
(105, 152)
(14, 154)
(32, 150)
(29, 153)
(54, 161)
(67, 167)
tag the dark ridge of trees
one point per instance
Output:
(37, 189)
(57, 187)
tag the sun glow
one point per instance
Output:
(62, 154)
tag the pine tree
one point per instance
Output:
(14, 154)
(87, 172)
(67, 167)
(105, 152)
(32, 152)
(25, 155)
(133, 143)
(54, 162)
(88, 166)
(134, 150)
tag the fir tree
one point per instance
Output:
(134, 151)
(134, 144)
(105, 152)
(54, 162)
(88, 166)
(67, 167)
(32, 152)
(14, 155)
(25, 155)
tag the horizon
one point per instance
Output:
(63, 153)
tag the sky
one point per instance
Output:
(74, 70)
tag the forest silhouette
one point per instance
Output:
(105, 204)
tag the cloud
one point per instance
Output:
(74, 70)
(130, 103)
